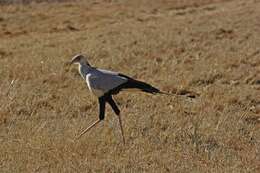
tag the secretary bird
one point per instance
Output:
(104, 84)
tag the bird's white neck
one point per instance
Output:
(84, 69)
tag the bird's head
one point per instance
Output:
(79, 59)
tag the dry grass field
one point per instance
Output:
(210, 47)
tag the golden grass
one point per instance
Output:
(211, 47)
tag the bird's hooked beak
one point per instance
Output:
(74, 60)
(71, 62)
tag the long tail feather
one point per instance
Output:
(135, 84)
(185, 93)
(145, 87)
(165, 93)
(152, 90)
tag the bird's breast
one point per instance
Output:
(94, 90)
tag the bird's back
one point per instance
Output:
(103, 80)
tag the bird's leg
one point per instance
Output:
(121, 127)
(87, 129)
(102, 106)
(117, 111)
